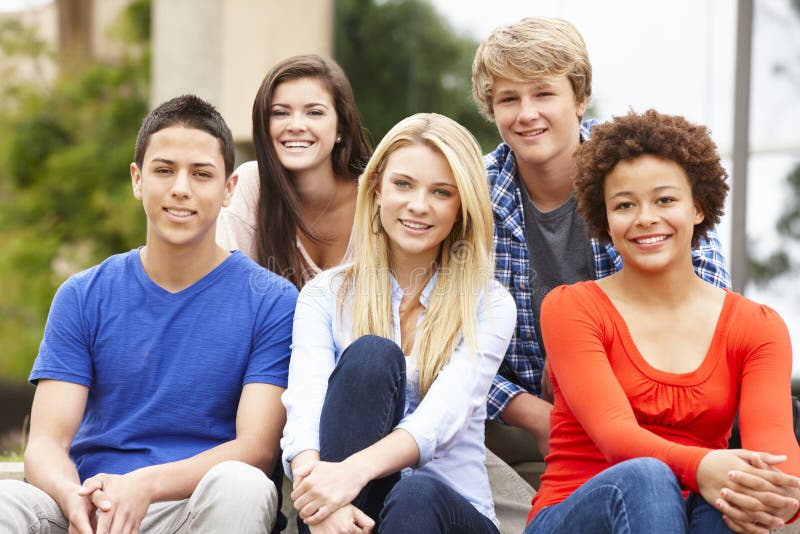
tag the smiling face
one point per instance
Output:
(303, 124)
(182, 186)
(539, 120)
(419, 203)
(651, 213)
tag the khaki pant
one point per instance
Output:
(513, 445)
(231, 497)
(506, 447)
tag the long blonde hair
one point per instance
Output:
(465, 260)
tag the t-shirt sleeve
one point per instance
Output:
(269, 360)
(574, 327)
(765, 410)
(65, 353)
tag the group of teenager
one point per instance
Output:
(564, 295)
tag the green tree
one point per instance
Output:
(402, 57)
(65, 195)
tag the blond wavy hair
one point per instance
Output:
(465, 262)
(532, 49)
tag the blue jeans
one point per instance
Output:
(636, 496)
(365, 400)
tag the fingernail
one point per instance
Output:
(795, 504)
(731, 474)
(106, 504)
(719, 503)
(724, 493)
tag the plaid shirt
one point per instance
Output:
(523, 363)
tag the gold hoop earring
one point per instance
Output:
(375, 223)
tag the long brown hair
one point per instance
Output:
(278, 214)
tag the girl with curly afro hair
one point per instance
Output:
(651, 365)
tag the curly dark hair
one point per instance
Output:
(670, 137)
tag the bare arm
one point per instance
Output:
(530, 413)
(259, 421)
(56, 414)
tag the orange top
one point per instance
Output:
(610, 405)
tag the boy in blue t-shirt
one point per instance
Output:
(159, 377)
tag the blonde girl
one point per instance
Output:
(394, 354)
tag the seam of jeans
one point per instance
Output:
(615, 489)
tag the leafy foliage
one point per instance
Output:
(402, 57)
(65, 197)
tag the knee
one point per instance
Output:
(651, 476)
(651, 468)
(238, 482)
(236, 497)
(373, 358)
(10, 489)
(26, 508)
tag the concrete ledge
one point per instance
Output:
(11, 470)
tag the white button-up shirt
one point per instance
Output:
(447, 423)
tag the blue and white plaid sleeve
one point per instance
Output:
(709, 262)
(500, 394)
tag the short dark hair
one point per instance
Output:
(192, 112)
(670, 137)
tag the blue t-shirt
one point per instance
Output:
(164, 370)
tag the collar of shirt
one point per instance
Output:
(424, 297)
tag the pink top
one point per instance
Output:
(236, 223)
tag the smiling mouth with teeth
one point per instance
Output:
(533, 132)
(415, 226)
(178, 213)
(297, 144)
(651, 240)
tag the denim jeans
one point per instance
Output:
(635, 496)
(365, 400)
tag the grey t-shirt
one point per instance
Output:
(559, 249)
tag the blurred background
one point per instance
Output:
(77, 77)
